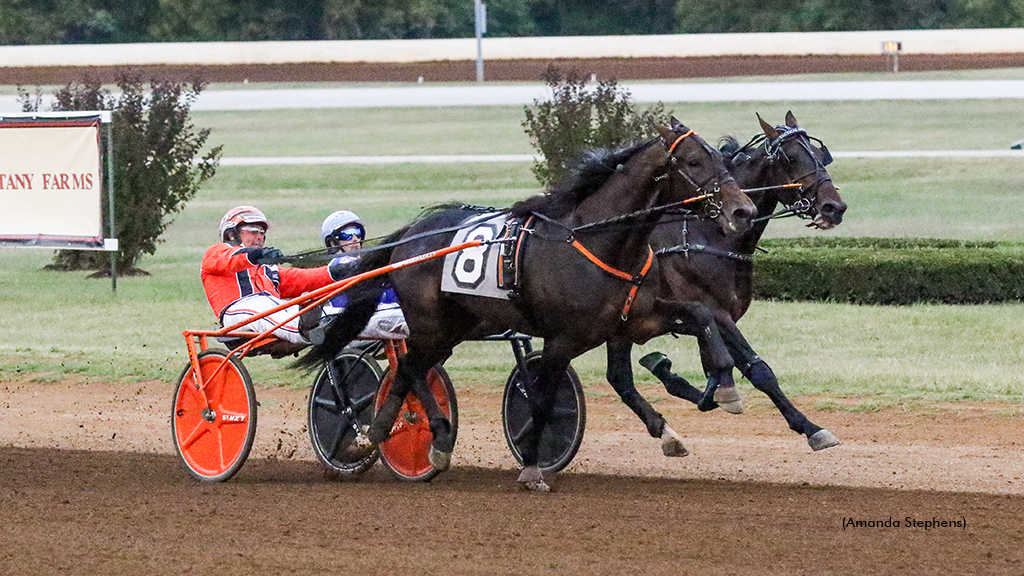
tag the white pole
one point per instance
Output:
(480, 12)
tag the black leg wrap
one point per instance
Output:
(707, 399)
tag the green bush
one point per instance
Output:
(576, 120)
(158, 161)
(890, 271)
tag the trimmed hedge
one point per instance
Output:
(889, 271)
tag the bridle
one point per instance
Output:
(774, 154)
(712, 203)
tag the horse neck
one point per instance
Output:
(630, 191)
(762, 176)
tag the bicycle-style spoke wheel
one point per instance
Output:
(560, 441)
(340, 413)
(407, 451)
(213, 421)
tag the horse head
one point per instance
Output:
(801, 159)
(698, 172)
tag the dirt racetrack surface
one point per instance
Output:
(521, 70)
(90, 484)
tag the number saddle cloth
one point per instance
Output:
(492, 269)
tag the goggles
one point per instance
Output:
(348, 234)
(253, 229)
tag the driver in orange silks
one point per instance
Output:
(240, 285)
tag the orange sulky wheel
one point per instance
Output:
(213, 439)
(407, 451)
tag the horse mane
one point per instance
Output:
(729, 146)
(592, 172)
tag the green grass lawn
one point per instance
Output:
(62, 325)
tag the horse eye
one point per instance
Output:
(693, 163)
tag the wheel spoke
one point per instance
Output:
(526, 429)
(327, 404)
(202, 427)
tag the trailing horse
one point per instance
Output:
(584, 254)
(700, 265)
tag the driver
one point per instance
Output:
(240, 285)
(343, 231)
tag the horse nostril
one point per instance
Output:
(833, 211)
(744, 214)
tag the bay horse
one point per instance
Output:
(583, 258)
(701, 265)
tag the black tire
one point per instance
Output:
(334, 413)
(406, 452)
(561, 440)
(213, 440)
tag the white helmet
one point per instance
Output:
(241, 215)
(340, 219)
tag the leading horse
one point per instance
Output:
(586, 252)
(700, 265)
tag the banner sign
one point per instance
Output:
(51, 183)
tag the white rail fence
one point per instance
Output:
(975, 41)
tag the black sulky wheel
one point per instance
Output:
(341, 405)
(563, 436)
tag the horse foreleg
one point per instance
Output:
(620, 376)
(761, 376)
(541, 390)
(697, 320)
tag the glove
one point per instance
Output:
(264, 255)
(341, 268)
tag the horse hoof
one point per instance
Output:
(537, 486)
(440, 460)
(655, 361)
(729, 400)
(533, 480)
(672, 445)
(822, 439)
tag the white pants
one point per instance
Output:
(253, 304)
(387, 323)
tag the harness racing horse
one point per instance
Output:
(584, 256)
(700, 264)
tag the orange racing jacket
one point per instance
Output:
(228, 275)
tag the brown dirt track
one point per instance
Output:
(89, 483)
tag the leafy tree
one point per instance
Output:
(157, 162)
(576, 120)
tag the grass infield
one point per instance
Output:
(62, 325)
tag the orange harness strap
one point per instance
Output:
(634, 280)
(672, 148)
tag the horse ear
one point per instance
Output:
(769, 130)
(666, 134)
(677, 125)
(790, 119)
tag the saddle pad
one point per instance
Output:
(475, 270)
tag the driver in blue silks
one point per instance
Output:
(343, 231)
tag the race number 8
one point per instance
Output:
(471, 263)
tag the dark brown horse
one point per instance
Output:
(714, 272)
(586, 251)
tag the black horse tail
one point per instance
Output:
(362, 303)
